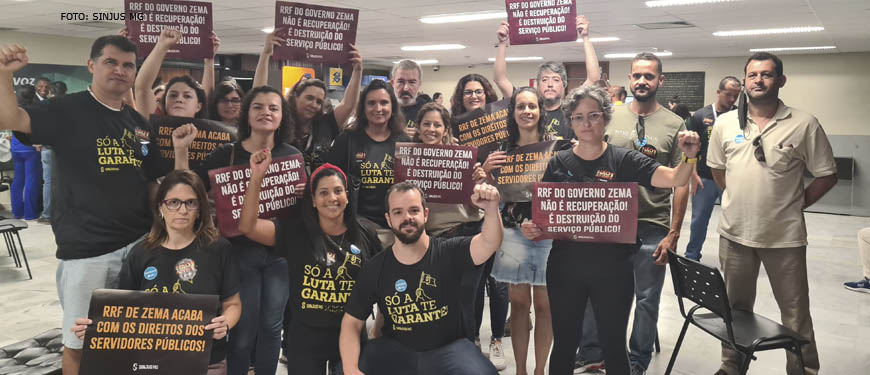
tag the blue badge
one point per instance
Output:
(641, 142)
(401, 285)
(739, 139)
(354, 249)
(144, 150)
(151, 273)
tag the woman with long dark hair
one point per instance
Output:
(226, 102)
(365, 151)
(316, 122)
(264, 124)
(472, 92)
(325, 248)
(521, 262)
(183, 237)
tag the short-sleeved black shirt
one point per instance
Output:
(420, 302)
(616, 164)
(371, 162)
(314, 146)
(192, 270)
(318, 290)
(557, 125)
(409, 113)
(702, 122)
(103, 161)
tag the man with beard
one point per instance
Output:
(406, 79)
(648, 127)
(761, 151)
(416, 285)
(552, 79)
(704, 190)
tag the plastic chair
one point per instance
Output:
(745, 331)
(8, 227)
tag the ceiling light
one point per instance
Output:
(421, 62)
(784, 30)
(785, 49)
(633, 54)
(433, 47)
(600, 39)
(527, 58)
(268, 29)
(464, 17)
(669, 3)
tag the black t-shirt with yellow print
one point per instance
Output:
(421, 303)
(319, 290)
(191, 270)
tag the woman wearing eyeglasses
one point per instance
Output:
(602, 272)
(472, 92)
(226, 102)
(184, 254)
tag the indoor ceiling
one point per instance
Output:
(387, 25)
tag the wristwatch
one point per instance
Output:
(689, 160)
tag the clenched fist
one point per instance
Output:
(13, 57)
(183, 136)
(689, 142)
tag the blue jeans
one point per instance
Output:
(264, 292)
(25, 185)
(702, 208)
(47, 155)
(649, 279)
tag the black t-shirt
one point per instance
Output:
(192, 270)
(104, 159)
(421, 303)
(702, 122)
(557, 125)
(409, 113)
(371, 163)
(314, 146)
(616, 164)
(319, 290)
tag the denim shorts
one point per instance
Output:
(520, 260)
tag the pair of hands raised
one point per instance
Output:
(274, 39)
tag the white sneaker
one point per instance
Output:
(496, 356)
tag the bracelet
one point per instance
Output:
(689, 160)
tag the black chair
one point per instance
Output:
(10, 227)
(745, 331)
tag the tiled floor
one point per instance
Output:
(841, 317)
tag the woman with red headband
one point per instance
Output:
(325, 248)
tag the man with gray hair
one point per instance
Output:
(406, 79)
(552, 80)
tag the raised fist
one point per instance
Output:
(13, 57)
(689, 142)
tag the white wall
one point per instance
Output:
(51, 49)
(833, 87)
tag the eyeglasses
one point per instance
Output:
(175, 204)
(230, 101)
(641, 132)
(592, 117)
(477, 92)
(759, 150)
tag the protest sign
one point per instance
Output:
(315, 33)
(541, 21)
(443, 172)
(482, 127)
(137, 332)
(586, 211)
(277, 194)
(524, 166)
(192, 18)
(210, 134)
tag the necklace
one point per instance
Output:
(330, 255)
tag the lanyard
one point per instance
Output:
(714, 112)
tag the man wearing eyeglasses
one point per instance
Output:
(647, 126)
(758, 156)
(406, 79)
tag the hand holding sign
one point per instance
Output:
(582, 26)
(219, 325)
(168, 38)
(530, 230)
(503, 32)
(260, 164)
(495, 160)
(689, 142)
(216, 44)
(486, 197)
(80, 327)
(183, 136)
(355, 59)
(273, 40)
(478, 176)
(13, 57)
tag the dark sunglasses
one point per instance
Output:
(641, 132)
(759, 151)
